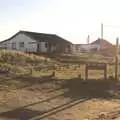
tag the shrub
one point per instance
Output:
(15, 57)
(5, 68)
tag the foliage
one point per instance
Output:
(20, 62)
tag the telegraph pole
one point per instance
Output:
(88, 39)
(101, 30)
(116, 59)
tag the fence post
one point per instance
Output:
(86, 72)
(116, 59)
(105, 72)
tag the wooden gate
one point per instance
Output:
(95, 66)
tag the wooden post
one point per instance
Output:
(101, 30)
(105, 72)
(86, 72)
(116, 59)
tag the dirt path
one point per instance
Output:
(52, 101)
(111, 114)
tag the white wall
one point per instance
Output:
(30, 45)
(42, 47)
(86, 47)
(21, 38)
(3, 44)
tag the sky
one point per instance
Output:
(73, 20)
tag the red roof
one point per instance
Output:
(104, 44)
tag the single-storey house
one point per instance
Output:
(37, 42)
(97, 45)
(86, 48)
(102, 43)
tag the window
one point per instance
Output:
(13, 45)
(46, 45)
(68, 46)
(21, 44)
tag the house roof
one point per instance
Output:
(81, 44)
(103, 43)
(41, 37)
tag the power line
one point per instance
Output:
(112, 26)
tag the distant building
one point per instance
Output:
(98, 45)
(37, 42)
(103, 44)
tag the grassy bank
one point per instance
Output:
(64, 66)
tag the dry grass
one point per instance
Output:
(15, 62)
(19, 62)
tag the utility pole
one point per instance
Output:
(101, 30)
(88, 39)
(116, 59)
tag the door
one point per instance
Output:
(38, 47)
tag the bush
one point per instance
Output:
(20, 62)
(5, 68)
(15, 57)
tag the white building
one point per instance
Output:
(37, 42)
(97, 45)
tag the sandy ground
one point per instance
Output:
(56, 100)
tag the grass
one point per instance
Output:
(16, 63)
(19, 62)
(83, 58)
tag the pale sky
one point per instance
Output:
(71, 19)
